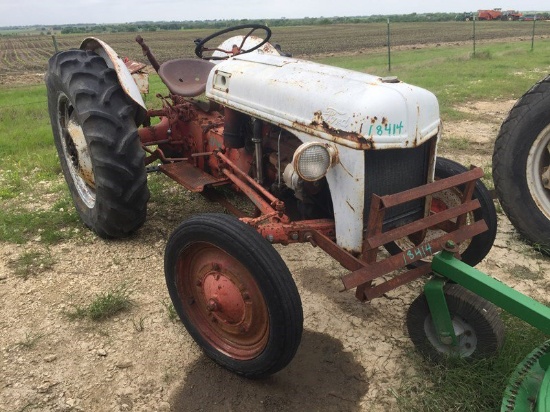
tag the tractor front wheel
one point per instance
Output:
(95, 133)
(476, 323)
(472, 250)
(234, 294)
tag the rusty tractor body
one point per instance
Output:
(345, 161)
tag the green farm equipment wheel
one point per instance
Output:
(529, 387)
(476, 322)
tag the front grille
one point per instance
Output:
(395, 170)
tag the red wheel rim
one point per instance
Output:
(438, 205)
(440, 202)
(222, 300)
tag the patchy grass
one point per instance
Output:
(170, 310)
(455, 143)
(482, 55)
(543, 249)
(30, 341)
(522, 272)
(467, 386)
(104, 305)
(32, 263)
(58, 222)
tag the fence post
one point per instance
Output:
(389, 47)
(474, 20)
(55, 44)
(533, 35)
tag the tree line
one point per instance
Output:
(142, 26)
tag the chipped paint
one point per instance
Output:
(353, 109)
(83, 161)
(115, 62)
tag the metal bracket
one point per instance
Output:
(503, 296)
(441, 317)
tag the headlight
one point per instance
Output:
(312, 160)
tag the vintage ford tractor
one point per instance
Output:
(340, 159)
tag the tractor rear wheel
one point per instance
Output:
(521, 165)
(476, 322)
(95, 133)
(234, 294)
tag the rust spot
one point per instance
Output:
(320, 124)
(384, 121)
(373, 120)
(317, 118)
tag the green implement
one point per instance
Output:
(528, 389)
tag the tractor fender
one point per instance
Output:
(115, 62)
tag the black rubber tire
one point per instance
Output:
(85, 94)
(481, 244)
(526, 128)
(480, 319)
(264, 276)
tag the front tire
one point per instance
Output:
(95, 133)
(473, 250)
(234, 294)
(521, 165)
(477, 324)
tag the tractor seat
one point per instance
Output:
(185, 77)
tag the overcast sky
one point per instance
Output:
(30, 12)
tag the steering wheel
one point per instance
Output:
(237, 49)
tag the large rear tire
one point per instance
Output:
(95, 133)
(521, 165)
(234, 294)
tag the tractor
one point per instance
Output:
(343, 160)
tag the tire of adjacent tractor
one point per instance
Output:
(234, 294)
(477, 324)
(95, 133)
(521, 165)
(474, 250)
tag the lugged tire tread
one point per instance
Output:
(504, 156)
(106, 115)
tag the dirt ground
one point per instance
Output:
(352, 356)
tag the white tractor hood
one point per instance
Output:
(354, 109)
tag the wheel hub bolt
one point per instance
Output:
(446, 340)
(212, 305)
(450, 244)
